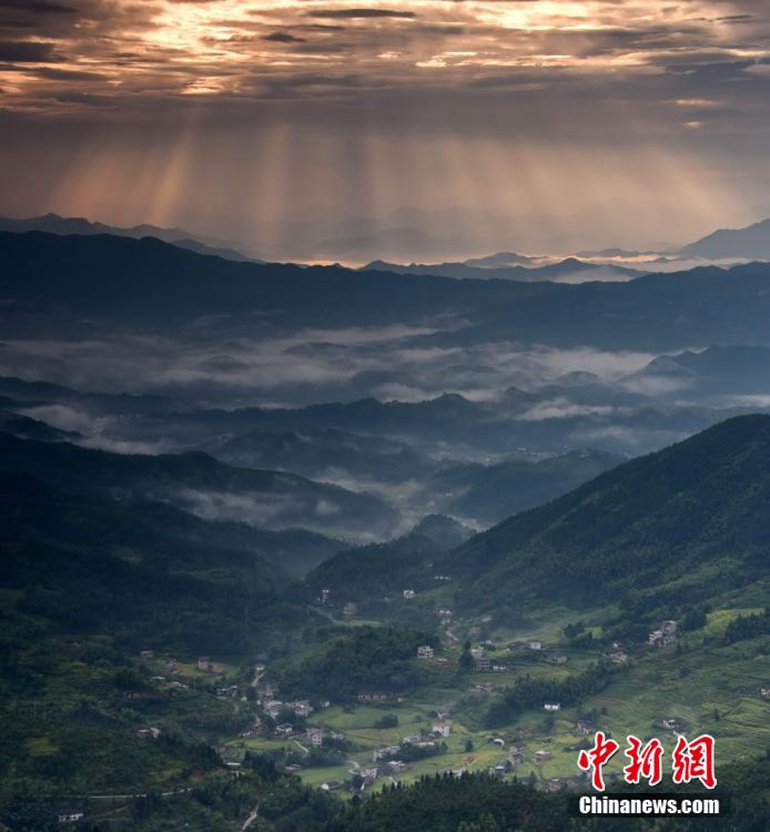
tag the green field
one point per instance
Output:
(706, 684)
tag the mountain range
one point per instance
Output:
(65, 226)
(654, 537)
(154, 284)
(217, 477)
(751, 243)
(570, 270)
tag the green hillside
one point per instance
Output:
(680, 526)
(146, 574)
(86, 586)
(489, 494)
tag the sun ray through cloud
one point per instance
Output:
(233, 114)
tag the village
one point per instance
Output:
(382, 736)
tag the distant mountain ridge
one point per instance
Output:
(498, 260)
(752, 242)
(722, 370)
(313, 451)
(491, 493)
(569, 270)
(64, 226)
(155, 285)
(31, 393)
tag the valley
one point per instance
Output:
(282, 573)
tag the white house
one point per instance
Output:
(315, 737)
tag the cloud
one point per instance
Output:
(261, 510)
(627, 439)
(497, 88)
(281, 511)
(361, 14)
(736, 18)
(563, 408)
(54, 74)
(102, 442)
(64, 418)
(284, 37)
(652, 385)
(758, 401)
(390, 362)
(545, 364)
(308, 360)
(36, 7)
(26, 51)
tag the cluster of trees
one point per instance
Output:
(480, 803)
(363, 659)
(147, 575)
(577, 635)
(223, 804)
(410, 753)
(748, 626)
(533, 693)
(374, 570)
(446, 803)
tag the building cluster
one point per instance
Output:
(206, 665)
(663, 636)
(515, 646)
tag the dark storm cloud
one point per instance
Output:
(284, 37)
(486, 44)
(354, 14)
(311, 83)
(84, 98)
(615, 41)
(26, 51)
(53, 74)
(436, 29)
(34, 7)
(707, 67)
(328, 48)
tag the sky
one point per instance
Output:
(317, 127)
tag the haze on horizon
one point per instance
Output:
(284, 126)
